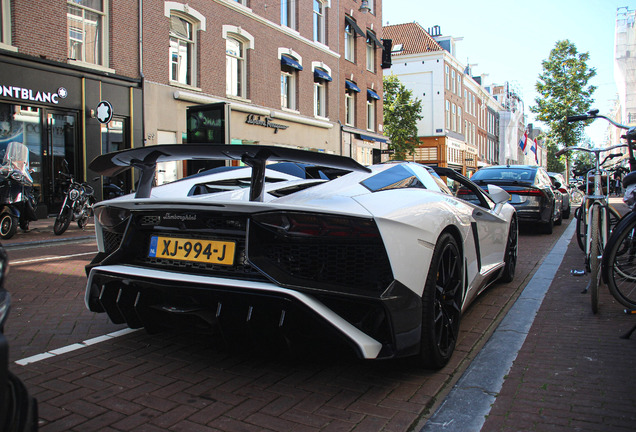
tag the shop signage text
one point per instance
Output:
(28, 94)
(267, 122)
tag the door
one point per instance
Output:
(60, 144)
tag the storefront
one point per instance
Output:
(166, 123)
(53, 111)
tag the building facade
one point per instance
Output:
(454, 129)
(59, 60)
(300, 73)
(84, 77)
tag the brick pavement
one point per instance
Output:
(574, 372)
(186, 382)
(41, 231)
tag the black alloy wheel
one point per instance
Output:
(441, 304)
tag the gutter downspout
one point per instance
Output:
(141, 74)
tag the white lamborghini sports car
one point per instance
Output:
(299, 244)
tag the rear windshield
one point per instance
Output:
(397, 177)
(505, 174)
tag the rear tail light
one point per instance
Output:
(313, 225)
(563, 190)
(527, 192)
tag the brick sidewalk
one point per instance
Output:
(41, 231)
(574, 371)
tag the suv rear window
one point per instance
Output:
(505, 174)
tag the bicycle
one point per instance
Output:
(596, 212)
(620, 248)
(580, 214)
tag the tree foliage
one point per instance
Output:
(401, 114)
(564, 90)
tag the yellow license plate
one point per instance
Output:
(185, 249)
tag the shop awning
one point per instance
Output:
(322, 74)
(372, 138)
(374, 38)
(286, 60)
(351, 86)
(354, 25)
(372, 94)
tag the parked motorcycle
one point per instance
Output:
(77, 206)
(17, 194)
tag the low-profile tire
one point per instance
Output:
(510, 255)
(548, 227)
(441, 304)
(566, 214)
(8, 225)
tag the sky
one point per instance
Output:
(508, 40)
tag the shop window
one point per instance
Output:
(319, 21)
(288, 13)
(87, 30)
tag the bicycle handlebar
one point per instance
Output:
(592, 115)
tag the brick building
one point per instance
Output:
(458, 128)
(58, 61)
(299, 73)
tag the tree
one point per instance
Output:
(401, 114)
(564, 91)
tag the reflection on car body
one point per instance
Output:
(383, 258)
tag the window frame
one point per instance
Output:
(235, 77)
(320, 99)
(371, 59)
(102, 32)
(246, 41)
(350, 108)
(190, 43)
(5, 25)
(371, 114)
(350, 43)
(318, 21)
(288, 14)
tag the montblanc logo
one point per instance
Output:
(182, 218)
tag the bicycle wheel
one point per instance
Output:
(619, 264)
(581, 226)
(576, 197)
(595, 254)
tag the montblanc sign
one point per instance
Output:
(27, 94)
(254, 119)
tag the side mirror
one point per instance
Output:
(498, 194)
(557, 185)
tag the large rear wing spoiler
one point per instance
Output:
(256, 156)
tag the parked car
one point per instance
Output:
(18, 409)
(559, 183)
(530, 189)
(385, 258)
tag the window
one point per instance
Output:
(287, 90)
(320, 100)
(86, 30)
(371, 114)
(350, 43)
(370, 54)
(448, 120)
(243, 2)
(350, 108)
(459, 119)
(5, 22)
(454, 118)
(447, 79)
(181, 50)
(234, 67)
(288, 13)
(319, 21)
(453, 81)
